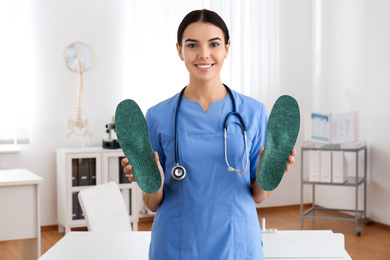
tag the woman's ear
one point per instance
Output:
(179, 51)
(227, 47)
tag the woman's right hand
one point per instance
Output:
(128, 169)
(159, 168)
(152, 201)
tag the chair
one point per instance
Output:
(104, 208)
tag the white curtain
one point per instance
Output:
(15, 71)
(151, 68)
(152, 62)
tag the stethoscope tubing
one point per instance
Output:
(178, 172)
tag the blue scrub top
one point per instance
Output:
(210, 214)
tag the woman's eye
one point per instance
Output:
(214, 44)
(191, 45)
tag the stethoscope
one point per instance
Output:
(178, 172)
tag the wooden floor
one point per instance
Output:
(374, 242)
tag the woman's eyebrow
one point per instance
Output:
(191, 40)
(215, 39)
(211, 40)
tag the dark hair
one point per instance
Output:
(205, 16)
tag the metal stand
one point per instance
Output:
(354, 181)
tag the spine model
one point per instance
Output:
(79, 126)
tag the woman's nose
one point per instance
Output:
(204, 53)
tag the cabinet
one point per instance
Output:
(79, 169)
(331, 172)
(20, 210)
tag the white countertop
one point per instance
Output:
(18, 177)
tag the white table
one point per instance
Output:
(81, 245)
(304, 244)
(20, 210)
(135, 245)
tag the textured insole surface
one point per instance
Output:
(133, 136)
(282, 132)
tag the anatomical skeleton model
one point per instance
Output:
(79, 126)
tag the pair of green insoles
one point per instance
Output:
(282, 132)
(133, 136)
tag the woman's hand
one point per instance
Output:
(159, 168)
(291, 159)
(128, 169)
(152, 201)
(258, 194)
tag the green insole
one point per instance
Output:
(133, 136)
(282, 132)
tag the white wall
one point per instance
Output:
(355, 64)
(56, 25)
(375, 107)
(354, 74)
(354, 69)
(341, 84)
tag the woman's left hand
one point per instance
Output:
(291, 160)
(258, 194)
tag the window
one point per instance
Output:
(16, 72)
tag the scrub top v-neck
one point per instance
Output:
(210, 214)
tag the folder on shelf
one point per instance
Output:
(92, 172)
(75, 207)
(339, 167)
(113, 169)
(75, 170)
(80, 210)
(325, 166)
(130, 201)
(83, 172)
(314, 166)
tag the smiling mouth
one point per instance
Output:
(204, 66)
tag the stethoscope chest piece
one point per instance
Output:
(178, 172)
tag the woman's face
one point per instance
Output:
(203, 51)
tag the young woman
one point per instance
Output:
(209, 213)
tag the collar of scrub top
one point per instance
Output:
(180, 168)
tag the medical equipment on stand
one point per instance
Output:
(111, 142)
(178, 172)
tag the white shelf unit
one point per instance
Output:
(359, 178)
(89, 167)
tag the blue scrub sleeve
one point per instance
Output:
(258, 140)
(155, 142)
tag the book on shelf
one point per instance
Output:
(325, 166)
(339, 167)
(314, 165)
(331, 128)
